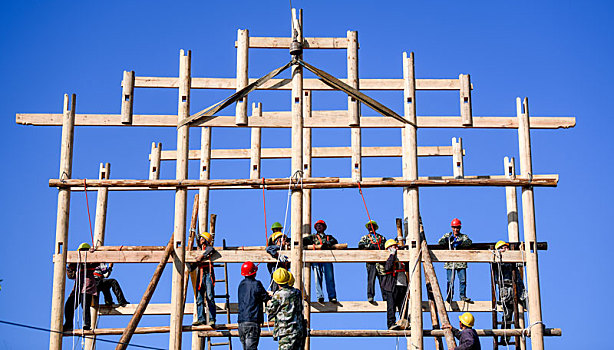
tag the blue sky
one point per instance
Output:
(555, 52)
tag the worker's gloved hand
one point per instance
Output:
(326, 245)
(283, 258)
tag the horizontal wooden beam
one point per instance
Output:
(308, 84)
(312, 256)
(317, 152)
(308, 43)
(322, 121)
(151, 330)
(327, 307)
(387, 333)
(311, 183)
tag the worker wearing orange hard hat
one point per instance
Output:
(454, 240)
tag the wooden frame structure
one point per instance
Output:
(301, 118)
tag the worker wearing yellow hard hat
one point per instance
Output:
(277, 243)
(205, 277)
(286, 307)
(394, 284)
(506, 275)
(467, 336)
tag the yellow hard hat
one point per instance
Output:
(207, 236)
(501, 244)
(466, 319)
(281, 276)
(390, 243)
(291, 280)
(276, 235)
(84, 246)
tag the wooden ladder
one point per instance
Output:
(225, 296)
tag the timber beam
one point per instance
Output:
(556, 332)
(319, 119)
(310, 256)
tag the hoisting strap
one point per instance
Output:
(338, 84)
(369, 216)
(210, 111)
(87, 204)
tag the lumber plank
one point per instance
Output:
(387, 333)
(272, 120)
(284, 43)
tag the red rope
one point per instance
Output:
(266, 228)
(87, 203)
(369, 216)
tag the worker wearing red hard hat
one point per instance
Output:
(251, 297)
(454, 240)
(322, 270)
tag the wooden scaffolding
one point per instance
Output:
(301, 119)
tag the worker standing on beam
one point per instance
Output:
(372, 241)
(467, 336)
(504, 275)
(394, 284)
(104, 284)
(205, 278)
(454, 240)
(325, 270)
(251, 297)
(83, 291)
(276, 242)
(286, 307)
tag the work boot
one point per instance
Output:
(320, 299)
(449, 299)
(87, 327)
(197, 323)
(108, 302)
(212, 323)
(465, 299)
(333, 300)
(371, 300)
(67, 328)
(123, 302)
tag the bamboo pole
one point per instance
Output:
(296, 217)
(255, 150)
(513, 232)
(307, 211)
(127, 97)
(441, 308)
(528, 218)
(242, 76)
(61, 228)
(151, 287)
(180, 203)
(189, 246)
(154, 161)
(99, 233)
(465, 99)
(457, 158)
(411, 210)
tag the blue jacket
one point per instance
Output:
(467, 339)
(251, 297)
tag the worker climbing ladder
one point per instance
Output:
(226, 298)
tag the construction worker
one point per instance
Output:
(205, 278)
(83, 291)
(323, 269)
(467, 336)
(504, 275)
(394, 283)
(453, 240)
(251, 297)
(286, 307)
(302, 317)
(276, 242)
(104, 284)
(372, 241)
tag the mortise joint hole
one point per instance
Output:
(352, 99)
(355, 165)
(60, 245)
(255, 167)
(204, 168)
(184, 98)
(297, 99)
(466, 99)
(409, 100)
(305, 166)
(126, 97)
(154, 169)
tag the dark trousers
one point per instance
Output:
(72, 304)
(105, 285)
(371, 275)
(394, 302)
(249, 333)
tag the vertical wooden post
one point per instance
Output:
(307, 208)
(528, 218)
(354, 106)
(154, 161)
(256, 150)
(180, 203)
(61, 228)
(511, 199)
(242, 78)
(457, 158)
(127, 96)
(465, 99)
(99, 230)
(296, 222)
(411, 209)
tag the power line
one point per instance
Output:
(77, 335)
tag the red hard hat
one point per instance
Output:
(455, 222)
(320, 222)
(248, 269)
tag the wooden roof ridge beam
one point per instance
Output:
(317, 152)
(388, 333)
(311, 256)
(391, 84)
(319, 119)
(308, 43)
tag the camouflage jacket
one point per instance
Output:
(286, 307)
(372, 242)
(452, 242)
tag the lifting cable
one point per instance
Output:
(266, 228)
(87, 205)
(368, 216)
